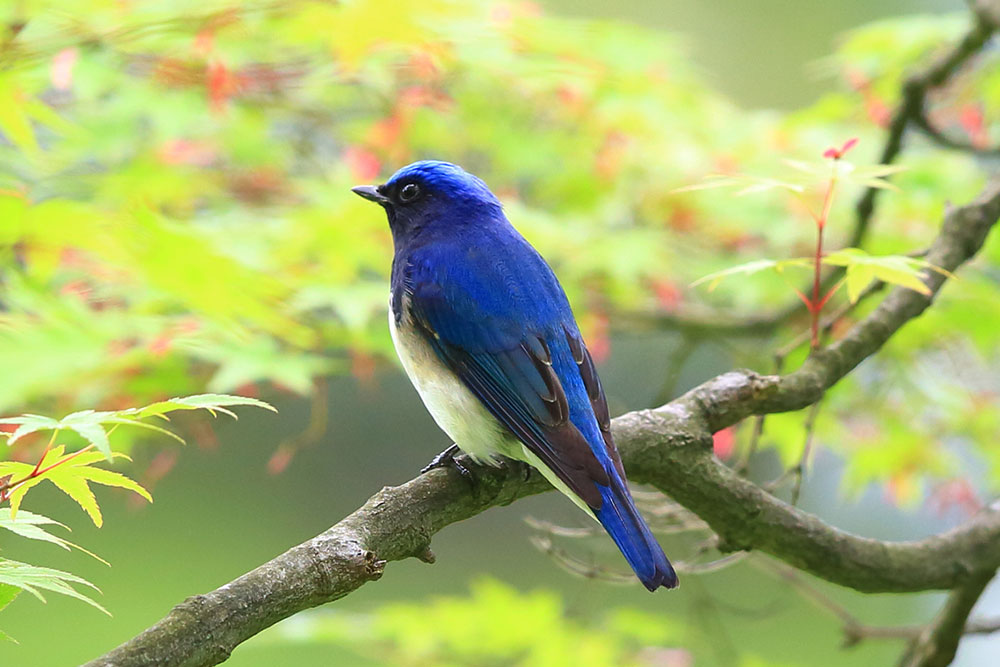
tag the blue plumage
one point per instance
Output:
(487, 336)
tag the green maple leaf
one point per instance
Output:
(72, 474)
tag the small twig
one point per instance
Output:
(45, 451)
(560, 531)
(982, 626)
(937, 643)
(314, 431)
(799, 470)
(922, 122)
(675, 362)
(755, 435)
(854, 630)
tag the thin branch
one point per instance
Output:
(938, 642)
(796, 472)
(855, 631)
(675, 364)
(946, 141)
(982, 626)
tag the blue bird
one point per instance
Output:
(487, 337)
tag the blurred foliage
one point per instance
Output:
(494, 625)
(175, 214)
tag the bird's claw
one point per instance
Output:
(449, 459)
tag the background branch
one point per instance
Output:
(938, 642)
(910, 111)
(670, 447)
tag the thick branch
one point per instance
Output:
(669, 447)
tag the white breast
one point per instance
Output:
(455, 409)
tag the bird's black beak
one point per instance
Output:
(371, 193)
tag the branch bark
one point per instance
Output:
(669, 447)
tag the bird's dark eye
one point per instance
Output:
(409, 192)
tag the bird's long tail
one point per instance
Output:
(627, 528)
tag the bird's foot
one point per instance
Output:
(449, 459)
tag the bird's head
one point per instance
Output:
(432, 194)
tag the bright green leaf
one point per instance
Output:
(71, 473)
(27, 524)
(210, 402)
(756, 266)
(32, 578)
(859, 277)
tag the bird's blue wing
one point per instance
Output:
(506, 360)
(503, 326)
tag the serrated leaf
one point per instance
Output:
(879, 170)
(710, 182)
(764, 184)
(88, 424)
(7, 595)
(756, 266)
(902, 276)
(751, 184)
(893, 269)
(76, 487)
(210, 402)
(112, 478)
(71, 474)
(28, 424)
(31, 578)
(859, 277)
(125, 421)
(27, 524)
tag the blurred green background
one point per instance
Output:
(223, 509)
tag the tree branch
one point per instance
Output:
(669, 447)
(855, 631)
(942, 139)
(938, 642)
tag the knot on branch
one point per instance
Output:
(730, 397)
(375, 567)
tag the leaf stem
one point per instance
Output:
(9, 486)
(45, 451)
(815, 305)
